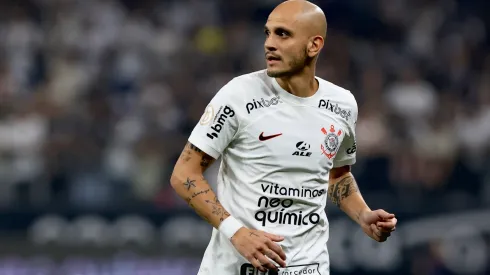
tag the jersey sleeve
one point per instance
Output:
(347, 151)
(219, 122)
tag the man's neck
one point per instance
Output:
(300, 85)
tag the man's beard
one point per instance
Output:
(296, 65)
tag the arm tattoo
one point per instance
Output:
(206, 160)
(186, 155)
(218, 209)
(196, 194)
(342, 189)
(193, 147)
(189, 183)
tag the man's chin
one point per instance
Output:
(276, 73)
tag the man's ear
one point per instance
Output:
(315, 45)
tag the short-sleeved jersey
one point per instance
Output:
(277, 150)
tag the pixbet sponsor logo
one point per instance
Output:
(262, 103)
(220, 122)
(336, 109)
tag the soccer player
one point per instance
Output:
(287, 141)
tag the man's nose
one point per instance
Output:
(269, 45)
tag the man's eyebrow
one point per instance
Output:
(284, 29)
(280, 28)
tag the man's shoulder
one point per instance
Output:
(243, 89)
(251, 79)
(338, 93)
(248, 85)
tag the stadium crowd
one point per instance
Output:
(98, 97)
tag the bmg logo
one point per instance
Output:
(218, 126)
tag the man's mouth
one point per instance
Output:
(273, 58)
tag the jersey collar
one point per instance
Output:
(286, 96)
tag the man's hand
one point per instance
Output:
(256, 246)
(378, 224)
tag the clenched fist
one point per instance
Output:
(378, 224)
(259, 248)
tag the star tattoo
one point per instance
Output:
(189, 183)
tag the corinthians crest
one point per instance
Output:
(331, 142)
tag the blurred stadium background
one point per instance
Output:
(97, 98)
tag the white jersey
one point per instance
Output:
(277, 150)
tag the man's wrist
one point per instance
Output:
(229, 227)
(361, 214)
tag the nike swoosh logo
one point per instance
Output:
(263, 138)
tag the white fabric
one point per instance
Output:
(278, 185)
(229, 227)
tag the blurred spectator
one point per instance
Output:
(98, 96)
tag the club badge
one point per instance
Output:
(331, 143)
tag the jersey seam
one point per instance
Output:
(240, 123)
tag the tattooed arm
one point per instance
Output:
(344, 192)
(189, 183)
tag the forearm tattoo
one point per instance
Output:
(198, 193)
(342, 190)
(218, 209)
(189, 183)
(195, 190)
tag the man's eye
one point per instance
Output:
(282, 33)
